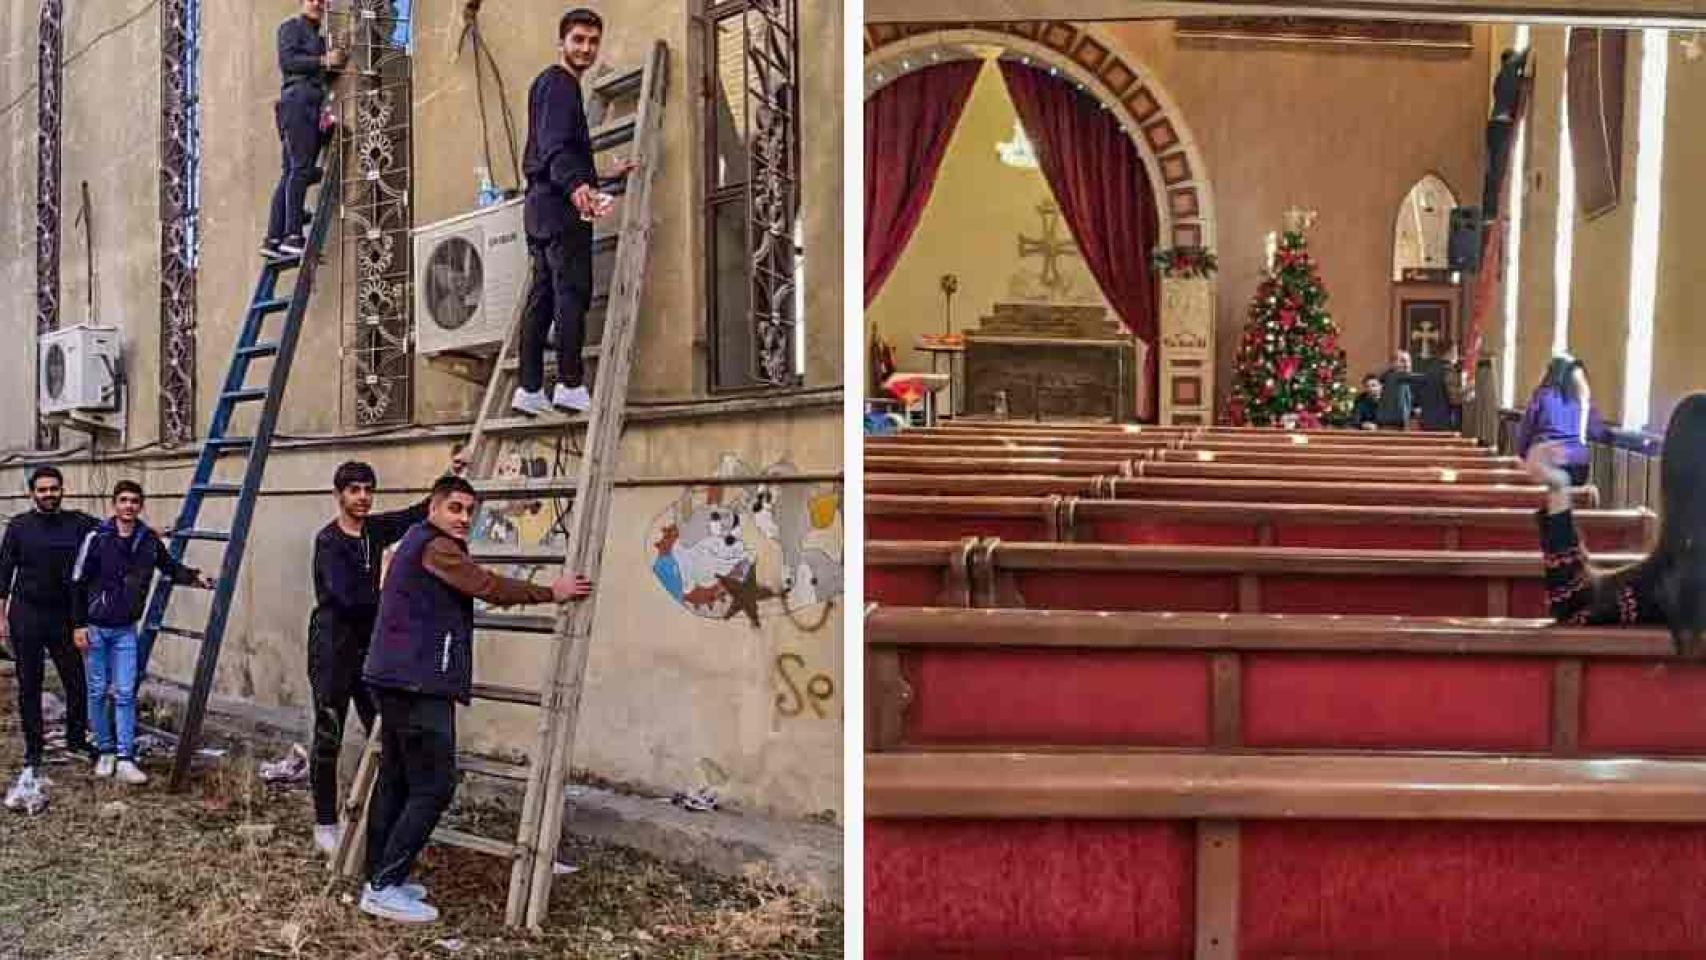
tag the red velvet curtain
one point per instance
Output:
(1103, 191)
(907, 128)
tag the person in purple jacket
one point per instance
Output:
(1561, 412)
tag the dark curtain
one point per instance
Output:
(908, 125)
(1103, 191)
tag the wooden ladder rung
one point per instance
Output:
(503, 694)
(525, 489)
(544, 422)
(544, 556)
(619, 82)
(516, 622)
(488, 767)
(479, 844)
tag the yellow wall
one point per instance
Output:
(979, 209)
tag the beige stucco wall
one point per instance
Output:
(676, 700)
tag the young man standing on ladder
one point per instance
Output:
(562, 202)
(347, 555)
(36, 555)
(305, 61)
(420, 666)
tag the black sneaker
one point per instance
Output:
(269, 250)
(291, 247)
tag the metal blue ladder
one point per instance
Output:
(252, 345)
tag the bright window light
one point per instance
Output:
(1565, 250)
(1644, 249)
(1513, 247)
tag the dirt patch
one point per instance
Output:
(139, 874)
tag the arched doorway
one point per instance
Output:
(1160, 185)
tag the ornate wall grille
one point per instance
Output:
(753, 162)
(180, 207)
(376, 303)
(51, 56)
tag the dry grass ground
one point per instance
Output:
(120, 873)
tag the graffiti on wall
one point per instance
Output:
(752, 549)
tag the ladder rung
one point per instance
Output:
(258, 350)
(524, 489)
(541, 556)
(516, 622)
(591, 351)
(615, 133)
(271, 306)
(469, 841)
(487, 767)
(217, 536)
(545, 421)
(245, 395)
(187, 634)
(502, 694)
(218, 489)
(231, 443)
(619, 82)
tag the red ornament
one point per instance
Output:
(1288, 367)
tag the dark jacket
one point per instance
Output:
(1580, 596)
(423, 641)
(558, 159)
(346, 568)
(300, 48)
(1366, 410)
(110, 580)
(1552, 417)
(36, 556)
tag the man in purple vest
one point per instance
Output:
(419, 666)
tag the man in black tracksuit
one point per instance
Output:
(562, 201)
(420, 666)
(36, 555)
(304, 61)
(347, 554)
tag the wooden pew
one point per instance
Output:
(957, 678)
(1355, 438)
(1362, 494)
(1057, 466)
(1185, 523)
(1291, 580)
(1249, 841)
(1191, 452)
(1331, 473)
(969, 485)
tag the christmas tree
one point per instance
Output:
(1290, 367)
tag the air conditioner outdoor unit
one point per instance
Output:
(469, 272)
(78, 369)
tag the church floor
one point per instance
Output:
(166, 876)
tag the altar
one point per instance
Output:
(1047, 361)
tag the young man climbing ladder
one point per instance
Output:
(305, 63)
(562, 202)
(421, 664)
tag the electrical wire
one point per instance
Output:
(483, 55)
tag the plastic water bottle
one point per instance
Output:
(489, 192)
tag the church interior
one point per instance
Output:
(1217, 600)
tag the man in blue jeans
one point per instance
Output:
(109, 586)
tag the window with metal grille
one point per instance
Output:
(754, 257)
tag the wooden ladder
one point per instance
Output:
(627, 108)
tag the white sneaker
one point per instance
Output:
(326, 837)
(26, 794)
(573, 399)
(392, 903)
(129, 772)
(413, 891)
(529, 403)
(104, 766)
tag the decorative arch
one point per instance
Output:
(1178, 177)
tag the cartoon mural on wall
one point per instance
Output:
(752, 549)
(531, 523)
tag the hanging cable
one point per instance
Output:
(471, 36)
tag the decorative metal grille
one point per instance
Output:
(180, 208)
(51, 54)
(772, 84)
(375, 130)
